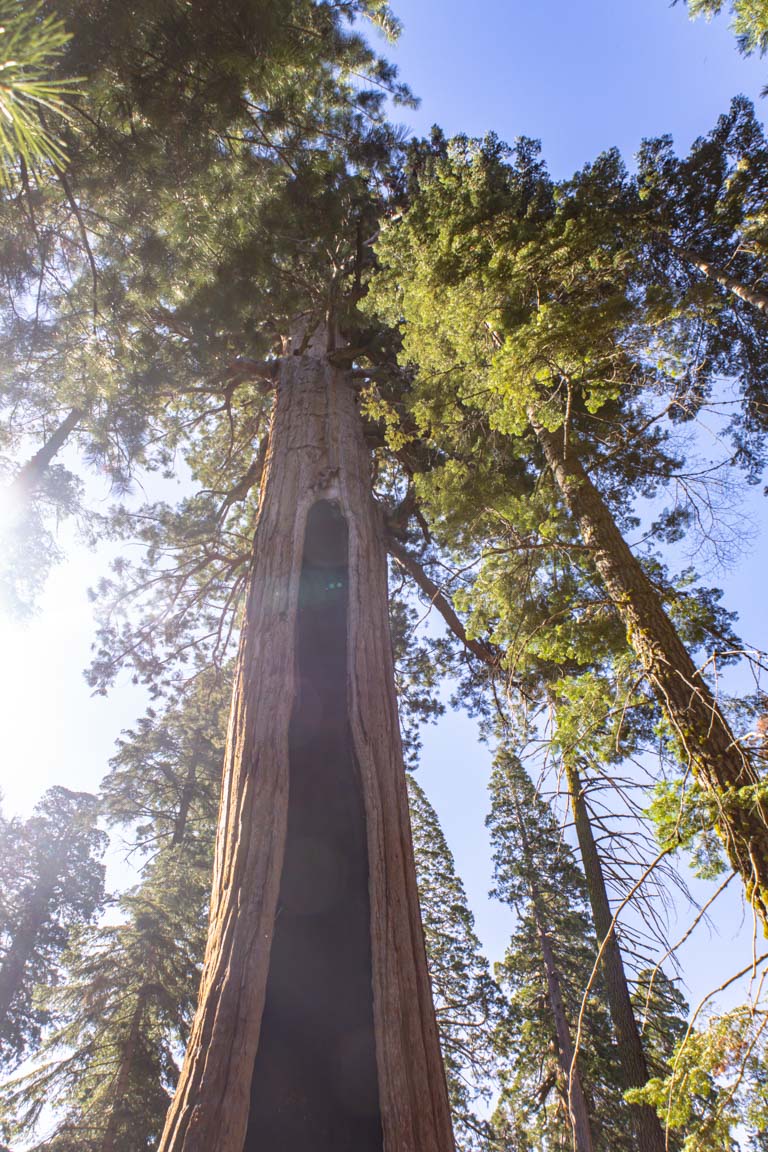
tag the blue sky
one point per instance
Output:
(582, 77)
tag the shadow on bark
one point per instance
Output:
(315, 1083)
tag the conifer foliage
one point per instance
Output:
(121, 1017)
(121, 1014)
(560, 1082)
(231, 262)
(52, 883)
(749, 20)
(467, 1000)
(523, 313)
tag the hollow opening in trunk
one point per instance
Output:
(315, 1086)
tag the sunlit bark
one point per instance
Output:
(316, 454)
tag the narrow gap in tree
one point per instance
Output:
(315, 1086)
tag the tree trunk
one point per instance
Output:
(185, 800)
(578, 1113)
(314, 818)
(749, 295)
(28, 478)
(125, 1067)
(577, 1106)
(34, 916)
(632, 1062)
(720, 766)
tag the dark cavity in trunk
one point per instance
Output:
(315, 1085)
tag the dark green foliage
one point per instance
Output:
(698, 230)
(417, 674)
(224, 184)
(537, 876)
(467, 1000)
(662, 1012)
(127, 297)
(110, 1064)
(120, 1018)
(164, 778)
(52, 884)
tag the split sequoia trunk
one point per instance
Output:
(631, 1055)
(315, 1029)
(720, 766)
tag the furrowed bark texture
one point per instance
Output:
(631, 1056)
(316, 452)
(720, 766)
(315, 1081)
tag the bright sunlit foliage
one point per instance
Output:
(31, 43)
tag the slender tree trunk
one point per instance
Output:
(34, 916)
(749, 295)
(576, 1102)
(283, 800)
(28, 478)
(634, 1068)
(721, 767)
(578, 1113)
(125, 1067)
(185, 800)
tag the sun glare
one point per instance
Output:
(10, 510)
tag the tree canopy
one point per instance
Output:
(224, 265)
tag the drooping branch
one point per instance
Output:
(719, 763)
(487, 653)
(251, 479)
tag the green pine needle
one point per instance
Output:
(30, 43)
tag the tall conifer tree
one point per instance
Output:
(524, 314)
(466, 997)
(53, 882)
(315, 1013)
(545, 973)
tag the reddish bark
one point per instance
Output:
(316, 452)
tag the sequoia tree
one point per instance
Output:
(466, 997)
(118, 1016)
(315, 1020)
